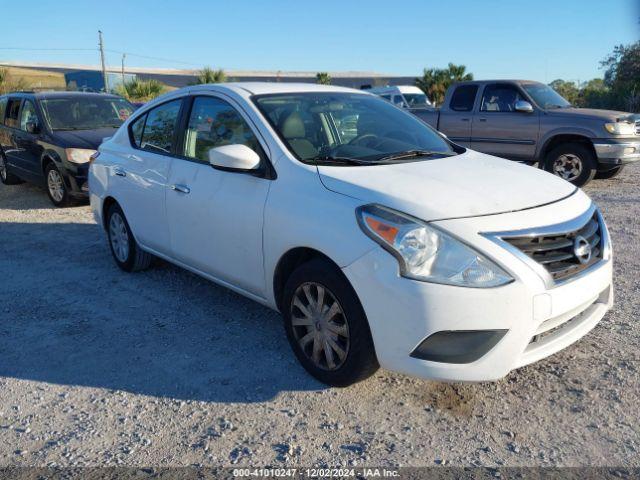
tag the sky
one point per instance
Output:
(530, 39)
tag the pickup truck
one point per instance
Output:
(530, 122)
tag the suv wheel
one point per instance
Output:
(6, 176)
(573, 162)
(124, 248)
(56, 188)
(606, 174)
(326, 325)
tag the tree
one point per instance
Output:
(594, 94)
(138, 90)
(323, 78)
(435, 81)
(622, 75)
(209, 75)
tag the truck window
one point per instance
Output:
(500, 98)
(463, 98)
(13, 108)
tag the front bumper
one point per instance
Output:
(540, 320)
(76, 178)
(618, 151)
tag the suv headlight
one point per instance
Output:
(620, 128)
(427, 253)
(79, 155)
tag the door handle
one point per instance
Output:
(180, 188)
(464, 119)
(119, 172)
(482, 119)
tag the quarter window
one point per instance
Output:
(463, 98)
(3, 108)
(136, 130)
(28, 115)
(500, 98)
(214, 123)
(13, 109)
(158, 131)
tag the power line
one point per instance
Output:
(152, 58)
(49, 49)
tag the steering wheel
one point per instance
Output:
(365, 140)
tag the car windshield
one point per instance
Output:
(85, 113)
(545, 96)
(346, 128)
(417, 100)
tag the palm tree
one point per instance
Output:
(209, 75)
(323, 78)
(435, 81)
(141, 90)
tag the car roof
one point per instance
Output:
(59, 94)
(503, 80)
(262, 88)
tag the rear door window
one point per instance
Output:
(28, 115)
(13, 110)
(159, 129)
(3, 108)
(463, 98)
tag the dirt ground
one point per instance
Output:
(162, 368)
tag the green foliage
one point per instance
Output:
(622, 76)
(569, 90)
(323, 78)
(9, 84)
(435, 81)
(138, 90)
(209, 75)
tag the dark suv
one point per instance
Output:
(48, 138)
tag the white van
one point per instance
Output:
(405, 96)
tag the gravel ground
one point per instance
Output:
(162, 368)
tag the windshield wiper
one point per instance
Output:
(412, 154)
(328, 159)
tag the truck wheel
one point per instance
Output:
(326, 325)
(6, 176)
(573, 162)
(614, 172)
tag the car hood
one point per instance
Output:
(83, 138)
(606, 115)
(467, 185)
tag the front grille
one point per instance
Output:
(557, 253)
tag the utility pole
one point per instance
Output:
(124, 55)
(104, 69)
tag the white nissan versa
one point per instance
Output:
(380, 241)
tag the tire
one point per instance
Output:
(56, 188)
(125, 250)
(6, 176)
(347, 326)
(612, 173)
(575, 156)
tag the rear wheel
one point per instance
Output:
(606, 174)
(56, 188)
(573, 162)
(326, 325)
(6, 176)
(124, 248)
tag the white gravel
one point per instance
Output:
(98, 367)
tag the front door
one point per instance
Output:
(498, 129)
(28, 151)
(215, 217)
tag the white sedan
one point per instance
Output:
(380, 241)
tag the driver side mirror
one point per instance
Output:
(234, 158)
(32, 127)
(523, 106)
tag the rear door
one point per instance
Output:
(456, 119)
(11, 125)
(140, 175)
(498, 129)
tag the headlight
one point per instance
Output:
(427, 253)
(620, 128)
(79, 155)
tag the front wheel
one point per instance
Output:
(607, 174)
(126, 251)
(574, 162)
(56, 188)
(326, 325)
